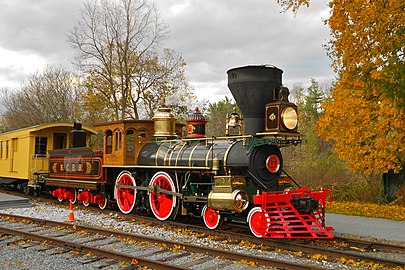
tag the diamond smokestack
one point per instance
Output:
(252, 88)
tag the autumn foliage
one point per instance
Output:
(367, 130)
(364, 118)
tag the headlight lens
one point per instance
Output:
(289, 118)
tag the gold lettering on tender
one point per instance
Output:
(88, 168)
(73, 167)
(61, 167)
(80, 167)
(55, 167)
(67, 167)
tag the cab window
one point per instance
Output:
(40, 146)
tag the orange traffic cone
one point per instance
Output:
(71, 217)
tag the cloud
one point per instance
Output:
(213, 36)
(38, 27)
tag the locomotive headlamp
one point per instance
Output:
(289, 118)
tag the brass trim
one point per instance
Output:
(191, 154)
(224, 138)
(226, 156)
(178, 154)
(167, 153)
(157, 154)
(208, 154)
(172, 152)
(276, 133)
(156, 167)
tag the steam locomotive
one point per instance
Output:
(145, 165)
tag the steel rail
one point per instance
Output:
(282, 244)
(54, 241)
(234, 256)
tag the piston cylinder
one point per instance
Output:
(237, 200)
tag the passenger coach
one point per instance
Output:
(24, 152)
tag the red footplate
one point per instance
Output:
(285, 221)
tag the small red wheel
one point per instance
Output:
(258, 222)
(125, 196)
(86, 203)
(211, 217)
(162, 204)
(103, 203)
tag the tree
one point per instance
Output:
(47, 97)
(216, 116)
(118, 52)
(364, 116)
(366, 130)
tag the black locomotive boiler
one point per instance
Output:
(146, 165)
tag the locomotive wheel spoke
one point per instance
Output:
(162, 205)
(125, 196)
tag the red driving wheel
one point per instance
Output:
(125, 196)
(162, 204)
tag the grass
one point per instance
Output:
(393, 212)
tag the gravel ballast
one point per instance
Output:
(14, 257)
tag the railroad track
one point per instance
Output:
(141, 250)
(339, 249)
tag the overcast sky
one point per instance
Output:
(212, 35)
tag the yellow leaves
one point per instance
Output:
(365, 124)
(249, 263)
(367, 130)
(297, 253)
(177, 248)
(319, 257)
(358, 249)
(90, 254)
(394, 212)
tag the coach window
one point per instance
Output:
(108, 142)
(40, 146)
(1, 150)
(142, 134)
(118, 140)
(59, 140)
